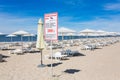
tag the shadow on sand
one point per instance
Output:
(3, 61)
(71, 71)
(2, 58)
(79, 54)
(68, 71)
(54, 64)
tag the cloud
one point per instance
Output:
(10, 23)
(108, 23)
(112, 6)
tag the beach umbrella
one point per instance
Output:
(118, 33)
(1, 33)
(112, 33)
(93, 34)
(71, 36)
(11, 36)
(40, 44)
(81, 34)
(102, 32)
(64, 31)
(87, 32)
(32, 35)
(29, 36)
(22, 33)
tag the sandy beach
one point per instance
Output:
(59, 40)
(100, 64)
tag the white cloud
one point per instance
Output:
(108, 23)
(10, 23)
(112, 6)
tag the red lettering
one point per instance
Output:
(50, 30)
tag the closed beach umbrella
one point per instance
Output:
(11, 35)
(40, 44)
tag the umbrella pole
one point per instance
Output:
(41, 57)
(62, 41)
(31, 38)
(71, 41)
(87, 36)
(28, 38)
(11, 38)
(41, 65)
(22, 43)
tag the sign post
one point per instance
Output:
(51, 31)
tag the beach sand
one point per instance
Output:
(100, 64)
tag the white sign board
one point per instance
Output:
(51, 26)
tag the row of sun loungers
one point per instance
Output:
(22, 51)
(91, 45)
(84, 44)
(4, 47)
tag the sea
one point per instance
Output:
(4, 38)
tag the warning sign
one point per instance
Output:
(51, 26)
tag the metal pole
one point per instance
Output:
(62, 41)
(28, 38)
(41, 57)
(51, 61)
(71, 40)
(11, 38)
(31, 38)
(41, 65)
(22, 43)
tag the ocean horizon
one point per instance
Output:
(4, 38)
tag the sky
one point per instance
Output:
(74, 14)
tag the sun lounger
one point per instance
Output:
(59, 55)
(17, 51)
(4, 47)
(69, 52)
(86, 47)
